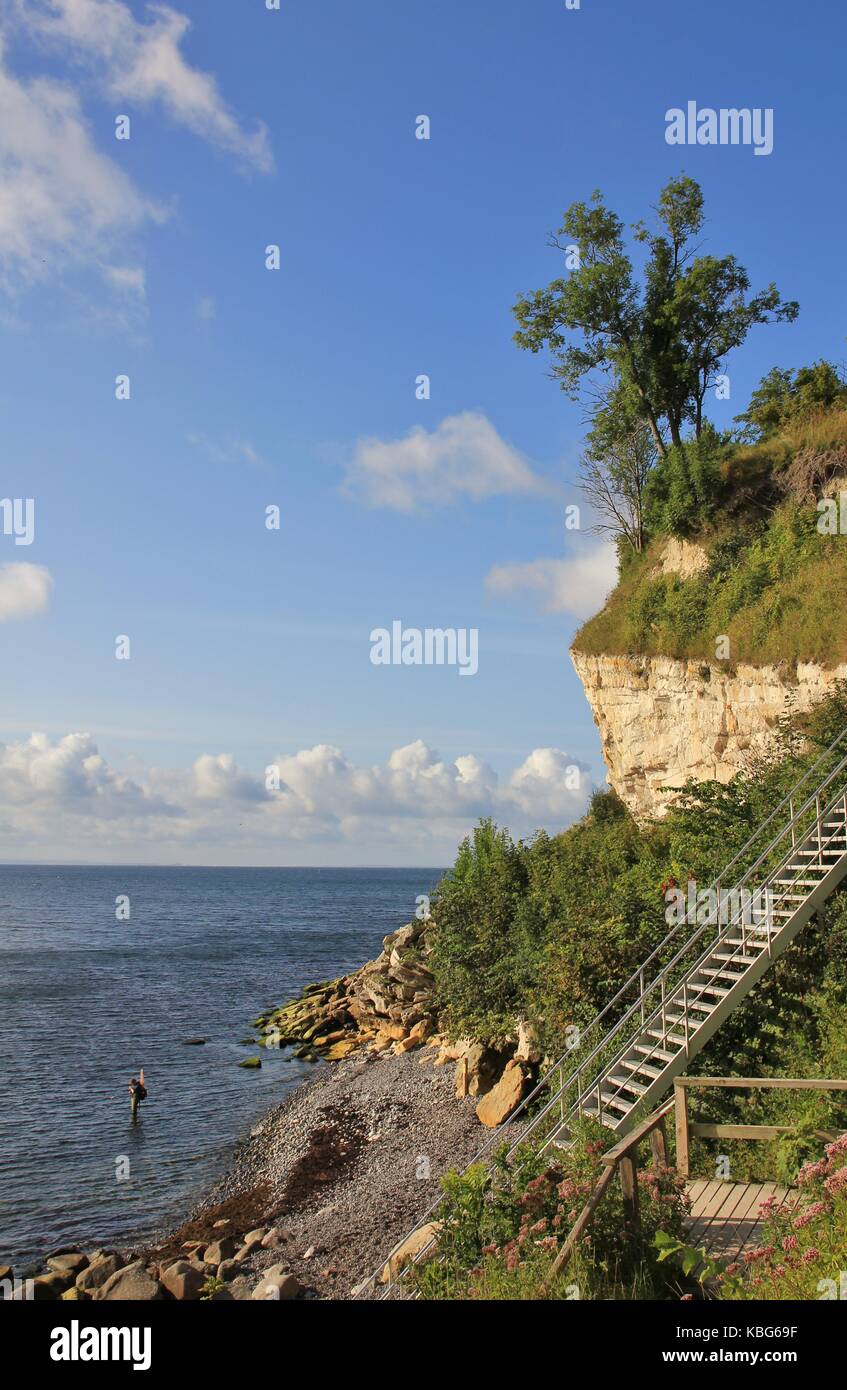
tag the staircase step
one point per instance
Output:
(667, 1037)
(798, 882)
(702, 987)
(626, 1083)
(654, 1052)
(736, 959)
(609, 1103)
(641, 1068)
(728, 974)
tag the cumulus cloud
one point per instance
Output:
(68, 776)
(143, 63)
(24, 591)
(578, 584)
(61, 200)
(463, 457)
(62, 799)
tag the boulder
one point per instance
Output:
(239, 1289)
(49, 1286)
(276, 1284)
(219, 1250)
(68, 1262)
(482, 1069)
(527, 1049)
(72, 1295)
(251, 1062)
(274, 1238)
(101, 1268)
(229, 1269)
(131, 1284)
(499, 1103)
(411, 1247)
(183, 1280)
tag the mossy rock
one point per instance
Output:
(251, 1062)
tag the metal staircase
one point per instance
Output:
(669, 1009)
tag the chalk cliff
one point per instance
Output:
(662, 721)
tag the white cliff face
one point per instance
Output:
(662, 721)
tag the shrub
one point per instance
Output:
(685, 487)
(501, 1231)
(803, 1254)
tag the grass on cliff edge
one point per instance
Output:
(778, 592)
(775, 586)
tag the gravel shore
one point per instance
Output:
(344, 1167)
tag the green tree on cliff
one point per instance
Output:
(662, 337)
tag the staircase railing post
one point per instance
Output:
(793, 827)
(820, 829)
(680, 1097)
(629, 1189)
(641, 988)
(685, 1013)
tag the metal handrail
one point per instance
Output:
(708, 953)
(558, 1066)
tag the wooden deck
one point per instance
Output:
(725, 1215)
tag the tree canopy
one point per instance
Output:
(662, 336)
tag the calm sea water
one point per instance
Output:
(85, 1000)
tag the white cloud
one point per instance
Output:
(61, 201)
(61, 799)
(463, 457)
(129, 279)
(45, 777)
(579, 584)
(143, 63)
(24, 591)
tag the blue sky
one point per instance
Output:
(250, 387)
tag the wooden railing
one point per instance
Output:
(686, 1129)
(621, 1159)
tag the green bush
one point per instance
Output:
(685, 487)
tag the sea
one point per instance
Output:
(104, 970)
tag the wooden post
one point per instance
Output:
(629, 1188)
(680, 1096)
(659, 1146)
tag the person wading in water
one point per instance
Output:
(137, 1091)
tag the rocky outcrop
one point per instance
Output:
(685, 559)
(386, 1005)
(662, 721)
